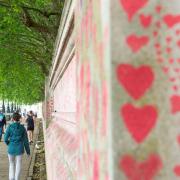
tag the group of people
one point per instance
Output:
(17, 138)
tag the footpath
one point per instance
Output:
(26, 162)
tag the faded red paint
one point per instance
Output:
(145, 170)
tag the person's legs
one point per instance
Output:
(29, 136)
(18, 167)
(1, 132)
(11, 167)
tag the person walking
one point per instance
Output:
(16, 139)
(30, 126)
(2, 124)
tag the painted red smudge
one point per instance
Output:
(136, 43)
(104, 107)
(131, 7)
(178, 43)
(177, 31)
(172, 79)
(96, 166)
(168, 39)
(161, 60)
(139, 121)
(168, 50)
(171, 61)
(81, 77)
(175, 104)
(155, 33)
(132, 80)
(157, 45)
(178, 139)
(95, 94)
(171, 20)
(158, 8)
(159, 52)
(87, 87)
(145, 20)
(158, 24)
(145, 170)
(177, 70)
(177, 170)
(175, 88)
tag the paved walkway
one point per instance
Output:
(4, 170)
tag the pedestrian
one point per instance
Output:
(2, 124)
(16, 140)
(30, 126)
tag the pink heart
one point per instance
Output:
(136, 43)
(145, 170)
(145, 20)
(171, 20)
(139, 121)
(175, 104)
(132, 7)
(136, 81)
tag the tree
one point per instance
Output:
(27, 34)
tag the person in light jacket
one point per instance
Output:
(16, 140)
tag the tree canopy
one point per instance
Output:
(28, 30)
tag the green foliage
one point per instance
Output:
(27, 33)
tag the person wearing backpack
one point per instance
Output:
(2, 124)
(30, 126)
(16, 139)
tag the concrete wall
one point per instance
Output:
(60, 126)
(145, 83)
(122, 121)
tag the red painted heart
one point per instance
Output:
(139, 121)
(136, 81)
(145, 20)
(178, 139)
(145, 170)
(171, 20)
(132, 7)
(136, 43)
(175, 104)
(177, 170)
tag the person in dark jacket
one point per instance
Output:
(16, 140)
(30, 126)
(2, 124)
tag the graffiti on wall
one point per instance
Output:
(92, 95)
(61, 138)
(159, 30)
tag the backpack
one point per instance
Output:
(1, 117)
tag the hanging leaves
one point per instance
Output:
(27, 34)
